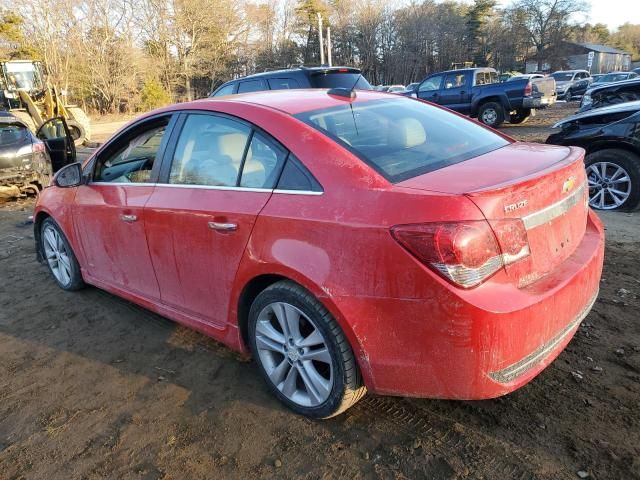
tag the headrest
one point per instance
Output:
(407, 133)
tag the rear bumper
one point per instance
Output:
(538, 102)
(481, 343)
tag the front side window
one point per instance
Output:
(430, 84)
(402, 138)
(226, 90)
(132, 159)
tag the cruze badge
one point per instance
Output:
(568, 184)
(512, 207)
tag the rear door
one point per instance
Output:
(216, 179)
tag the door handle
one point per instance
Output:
(223, 227)
(128, 218)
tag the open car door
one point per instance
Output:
(57, 137)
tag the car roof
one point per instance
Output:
(297, 70)
(622, 83)
(290, 101)
(617, 108)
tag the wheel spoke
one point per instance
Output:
(320, 355)
(289, 319)
(51, 240)
(603, 169)
(265, 329)
(64, 260)
(624, 179)
(278, 373)
(617, 196)
(313, 339)
(617, 173)
(317, 386)
(289, 385)
(266, 343)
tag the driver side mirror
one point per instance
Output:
(69, 176)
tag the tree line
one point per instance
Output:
(132, 55)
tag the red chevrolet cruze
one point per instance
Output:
(349, 243)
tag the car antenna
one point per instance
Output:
(345, 92)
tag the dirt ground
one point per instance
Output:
(94, 387)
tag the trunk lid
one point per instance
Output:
(543, 187)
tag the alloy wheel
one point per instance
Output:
(57, 255)
(609, 185)
(294, 353)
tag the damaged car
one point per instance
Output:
(611, 137)
(28, 161)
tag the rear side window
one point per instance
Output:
(282, 83)
(402, 138)
(296, 177)
(250, 86)
(338, 79)
(454, 80)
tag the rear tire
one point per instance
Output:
(521, 116)
(617, 170)
(491, 114)
(301, 352)
(58, 254)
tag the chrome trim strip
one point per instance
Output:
(210, 187)
(215, 187)
(123, 184)
(513, 371)
(555, 210)
(297, 192)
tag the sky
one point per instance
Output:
(612, 13)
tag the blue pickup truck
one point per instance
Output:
(477, 92)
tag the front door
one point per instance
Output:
(56, 136)
(430, 89)
(199, 218)
(110, 209)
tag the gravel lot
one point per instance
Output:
(94, 387)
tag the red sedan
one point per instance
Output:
(349, 243)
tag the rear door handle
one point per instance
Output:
(223, 227)
(128, 218)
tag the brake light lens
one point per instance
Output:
(528, 89)
(465, 253)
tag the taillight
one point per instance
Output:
(528, 89)
(465, 253)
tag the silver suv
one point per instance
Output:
(571, 83)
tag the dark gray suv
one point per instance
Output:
(301, 77)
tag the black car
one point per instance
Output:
(610, 94)
(611, 137)
(28, 161)
(301, 77)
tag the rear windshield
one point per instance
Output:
(11, 133)
(403, 138)
(336, 78)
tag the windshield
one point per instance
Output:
(336, 78)
(403, 138)
(23, 75)
(612, 77)
(562, 76)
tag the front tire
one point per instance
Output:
(614, 179)
(302, 353)
(567, 95)
(59, 256)
(491, 114)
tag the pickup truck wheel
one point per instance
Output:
(520, 116)
(491, 114)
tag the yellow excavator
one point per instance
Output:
(27, 94)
